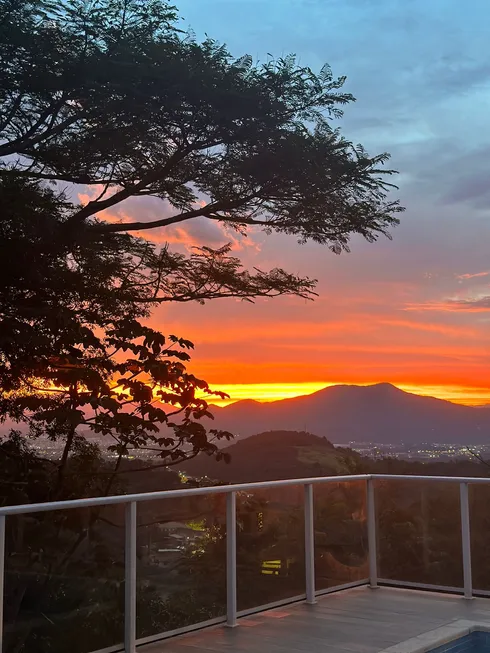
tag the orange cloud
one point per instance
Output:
(444, 329)
(188, 234)
(481, 305)
(463, 277)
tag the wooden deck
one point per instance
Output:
(358, 620)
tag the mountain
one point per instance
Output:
(347, 413)
(272, 456)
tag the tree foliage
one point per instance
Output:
(110, 94)
(76, 352)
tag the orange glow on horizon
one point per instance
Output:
(267, 392)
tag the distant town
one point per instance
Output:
(421, 451)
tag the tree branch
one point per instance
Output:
(72, 179)
(20, 145)
(94, 207)
(10, 114)
(208, 211)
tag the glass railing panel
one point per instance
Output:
(479, 503)
(341, 552)
(64, 581)
(181, 563)
(419, 532)
(270, 546)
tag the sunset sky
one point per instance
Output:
(414, 311)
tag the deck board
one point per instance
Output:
(358, 620)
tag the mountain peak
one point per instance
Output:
(351, 388)
(384, 387)
(352, 413)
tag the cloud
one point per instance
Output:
(481, 305)
(475, 305)
(187, 234)
(475, 275)
(473, 188)
(444, 329)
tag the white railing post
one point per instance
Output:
(231, 600)
(309, 545)
(371, 531)
(130, 579)
(2, 575)
(465, 540)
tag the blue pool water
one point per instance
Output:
(476, 642)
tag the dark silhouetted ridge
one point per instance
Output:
(271, 455)
(350, 413)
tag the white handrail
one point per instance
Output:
(225, 489)
(172, 494)
(440, 479)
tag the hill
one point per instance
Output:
(272, 456)
(347, 413)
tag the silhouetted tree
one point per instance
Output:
(75, 352)
(111, 95)
(77, 357)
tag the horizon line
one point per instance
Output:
(271, 392)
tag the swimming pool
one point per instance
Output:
(477, 641)
(460, 636)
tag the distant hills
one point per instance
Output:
(272, 456)
(345, 413)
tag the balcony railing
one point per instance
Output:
(370, 514)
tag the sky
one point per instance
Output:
(414, 311)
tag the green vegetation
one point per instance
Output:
(283, 454)
(321, 459)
